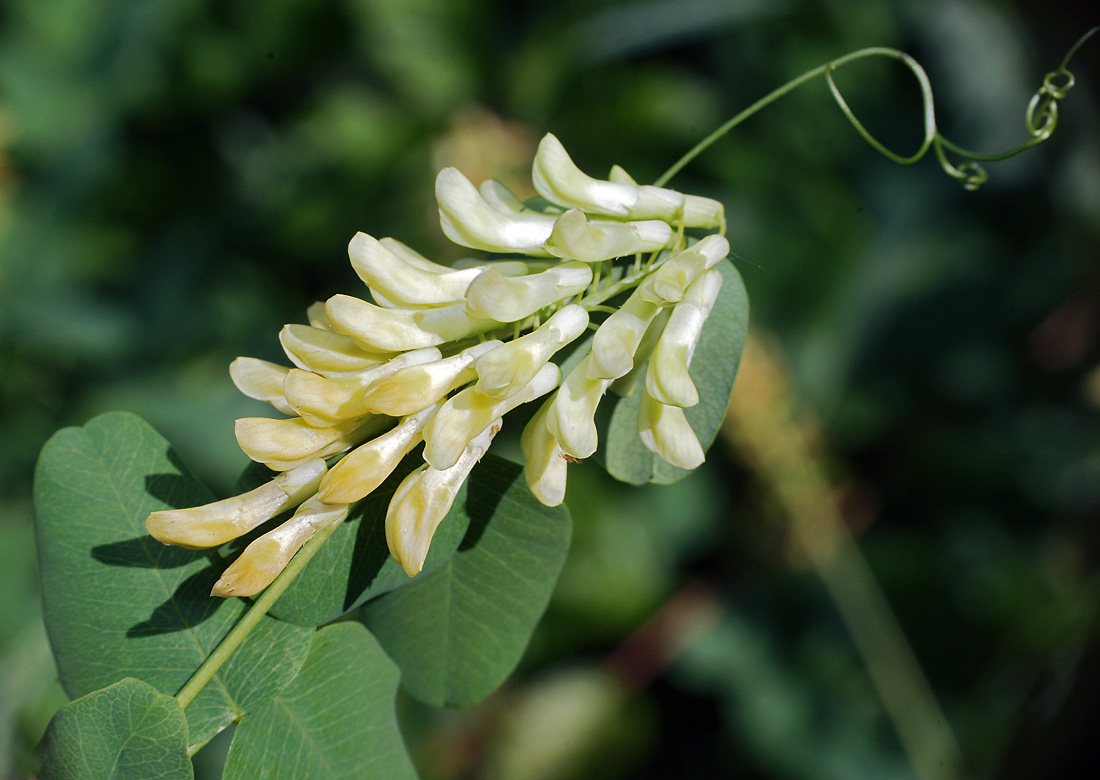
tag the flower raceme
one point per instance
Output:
(439, 356)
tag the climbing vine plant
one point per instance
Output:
(608, 309)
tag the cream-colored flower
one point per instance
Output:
(665, 431)
(618, 338)
(326, 352)
(266, 556)
(469, 220)
(571, 416)
(368, 465)
(403, 283)
(464, 415)
(558, 179)
(546, 467)
(668, 283)
(261, 380)
(667, 379)
(323, 401)
(423, 499)
(283, 444)
(401, 329)
(507, 368)
(575, 237)
(222, 521)
(411, 389)
(492, 295)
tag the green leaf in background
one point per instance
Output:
(713, 370)
(127, 730)
(117, 603)
(336, 720)
(458, 632)
(355, 564)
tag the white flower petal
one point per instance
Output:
(278, 441)
(507, 368)
(326, 352)
(576, 238)
(423, 499)
(668, 283)
(463, 416)
(402, 329)
(571, 416)
(222, 521)
(618, 338)
(665, 431)
(667, 378)
(261, 380)
(266, 556)
(546, 468)
(467, 219)
(401, 282)
(411, 389)
(492, 295)
(368, 465)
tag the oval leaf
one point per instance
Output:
(458, 632)
(355, 564)
(335, 720)
(128, 729)
(117, 602)
(713, 370)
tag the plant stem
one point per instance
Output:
(259, 608)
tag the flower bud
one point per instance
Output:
(423, 499)
(468, 412)
(667, 379)
(467, 219)
(327, 353)
(665, 432)
(571, 416)
(618, 337)
(398, 330)
(411, 389)
(668, 283)
(266, 556)
(575, 238)
(222, 521)
(368, 465)
(546, 467)
(261, 380)
(509, 367)
(492, 295)
(403, 283)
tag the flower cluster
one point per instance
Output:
(441, 354)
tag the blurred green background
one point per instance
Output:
(179, 179)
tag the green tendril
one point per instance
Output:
(1040, 119)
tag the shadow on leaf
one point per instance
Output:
(188, 606)
(144, 552)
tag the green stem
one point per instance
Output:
(259, 608)
(1042, 116)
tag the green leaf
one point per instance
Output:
(117, 603)
(458, 632)
(355, 563)
(336, 720)
(713, 370)
(126, 730)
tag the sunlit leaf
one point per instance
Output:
(128, 729)
(120, 604)
(335, 720)
(458, 632)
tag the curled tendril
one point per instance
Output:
(1041, 117)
